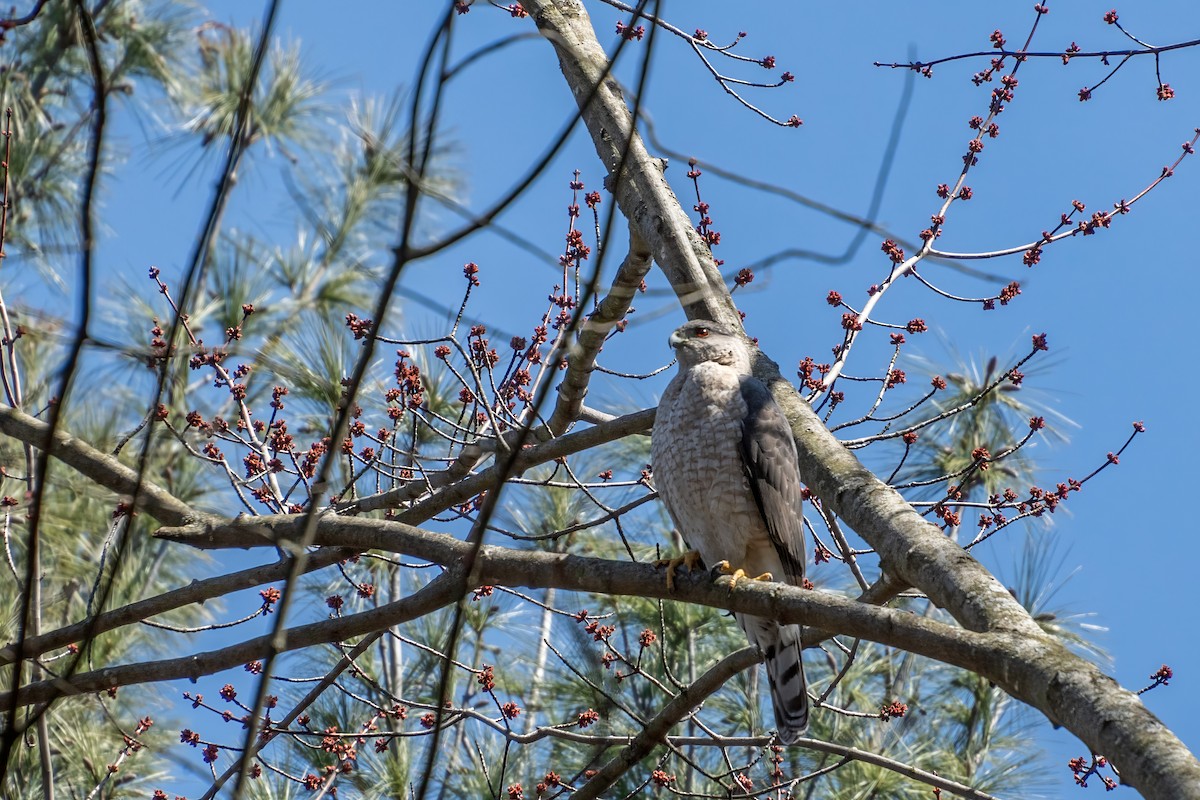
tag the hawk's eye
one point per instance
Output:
(701, 332)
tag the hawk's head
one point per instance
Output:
(703, 340)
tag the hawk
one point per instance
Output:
(725, 467)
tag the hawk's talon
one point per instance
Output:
(724, 568)
(689, 560)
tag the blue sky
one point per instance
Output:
(1116, 349)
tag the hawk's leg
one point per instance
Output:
(724, 568)
(689, 560)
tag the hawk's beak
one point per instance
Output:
(675, 340)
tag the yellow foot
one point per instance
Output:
(737, 574)
(689, 560)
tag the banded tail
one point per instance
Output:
(781, 648)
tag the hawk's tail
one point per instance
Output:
(785, 669)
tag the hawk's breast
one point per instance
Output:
(697, 462)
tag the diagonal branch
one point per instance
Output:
(981, 652)
(642, 191)
(1073, 693)
(102, 468)
(656, 729)
(594, 332)
(440, 592)
(197, 591)
(455, 486)
(314, 693)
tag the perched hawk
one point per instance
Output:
(725, 466)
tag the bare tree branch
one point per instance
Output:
(655, 731)
(642, 192)
(437, 594)
(595, 330)
(435, 454)
(1067, 688)
(1036, 669)
(455, 487)
(305, 702)
(194, 592)
(100, 467)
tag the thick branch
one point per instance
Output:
(532, 569)
(1072, 692)
(994, 655)
(939, 567)
(1034, 667)
(909, 546)
(102, 468)
(641, 190)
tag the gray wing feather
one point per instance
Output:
(769, 460)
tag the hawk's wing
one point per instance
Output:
(769, 460)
